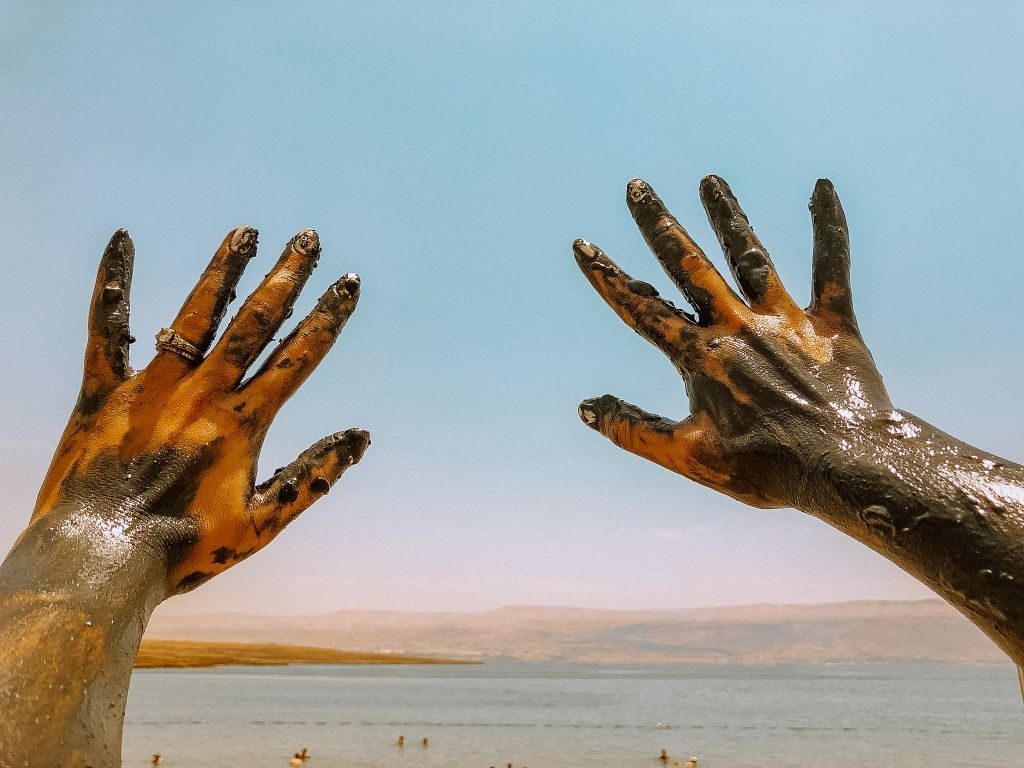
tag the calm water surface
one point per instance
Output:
(576, 715)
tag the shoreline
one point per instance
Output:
(189, 654)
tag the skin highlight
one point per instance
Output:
(787, 409)
(152, 491)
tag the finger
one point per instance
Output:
(200, 316)
(749, 261)
(295, 487)
(106, 349)
(673, 445)
(266, 308)
(830, 271)
(680, 256)
(301, 352)
(636, 302)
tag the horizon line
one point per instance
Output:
(541, 606)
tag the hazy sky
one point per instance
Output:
(450, 153)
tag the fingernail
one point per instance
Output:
(584, 248)
(637, 190)
(244, 240)
(307, 241)
(592, 408)
(358, 440)
(346, 287)
(713, 186)
(587, 414)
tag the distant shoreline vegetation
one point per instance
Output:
(164, 654)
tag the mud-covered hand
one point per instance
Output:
(772, 386)
(169, 453)
(153, 490)
(788, 409)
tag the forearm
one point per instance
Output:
(947, 513)
(76, 592)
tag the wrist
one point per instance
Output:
(895, 460)
(92, 557)
(947, 513)
(864, 459)
(76, 593)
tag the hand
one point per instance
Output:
(773, 388)
(166, 457)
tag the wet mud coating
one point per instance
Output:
(152, 490)
(787, 409)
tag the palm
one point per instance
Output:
(767, 380)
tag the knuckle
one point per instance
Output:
(262, 315)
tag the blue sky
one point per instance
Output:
(450, 155)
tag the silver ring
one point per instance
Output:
(170, 340)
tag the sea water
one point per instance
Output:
(575, 715)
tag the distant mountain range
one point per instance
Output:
(863, 631)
